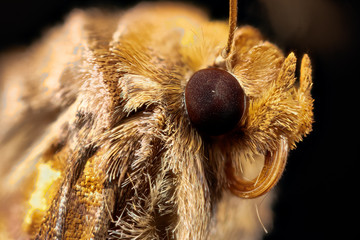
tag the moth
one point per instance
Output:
(153, 123)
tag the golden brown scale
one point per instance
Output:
(115, 155)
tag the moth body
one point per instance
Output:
(97, 142)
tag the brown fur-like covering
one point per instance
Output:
(100, 100)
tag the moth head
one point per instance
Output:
(227, 94)
(249, 104)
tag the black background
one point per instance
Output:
(317, 196)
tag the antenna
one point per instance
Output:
(232, 27)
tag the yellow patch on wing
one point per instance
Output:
(42, 195)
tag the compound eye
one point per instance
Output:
(215, 101)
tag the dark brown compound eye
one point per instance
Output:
(215, 101)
